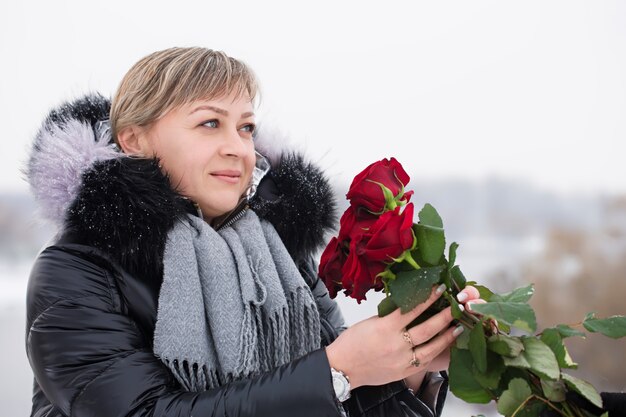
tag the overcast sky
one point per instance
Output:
(530, 90)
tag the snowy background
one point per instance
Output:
(509, 116)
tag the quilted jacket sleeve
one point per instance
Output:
(91, 359)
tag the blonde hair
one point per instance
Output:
(170, 78)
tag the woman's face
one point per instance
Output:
(206, 148)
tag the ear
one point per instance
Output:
(133, 141)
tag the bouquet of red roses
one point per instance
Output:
(379, 247)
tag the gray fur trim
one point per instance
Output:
(62, 154)
(271, 142)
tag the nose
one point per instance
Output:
(234, 145)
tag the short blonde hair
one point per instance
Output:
(170, 78)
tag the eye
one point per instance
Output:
(250, 128)
(213, 123)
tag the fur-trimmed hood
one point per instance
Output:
(125, 206)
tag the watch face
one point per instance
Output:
(338, 385)
(341, 386)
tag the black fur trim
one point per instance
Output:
(126, 208)
(90, 109)
(298, 200)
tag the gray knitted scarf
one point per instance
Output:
(232, 304)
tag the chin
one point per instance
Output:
(227, 205)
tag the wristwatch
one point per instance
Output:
(341, 385)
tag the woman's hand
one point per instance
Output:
(375, 352)
(441, 362)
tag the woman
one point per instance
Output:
(182, 280)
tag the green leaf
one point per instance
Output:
(447, 280)
(431, 228)
(541, 358)
(614, 327)
(386, 306)
(517, 362)
(429, 232)
(458, 277)
(510, 374)
(430, 242)
(584, 388)
(554, 390)
(463, 384)
(519, 295)
(511, 399)
(454, 304)
(485, 293)
(519, 315)
(495, 368)
(412, 288)
(429, 217)
(456, 309)
(478, 347)
(537, 357)
(567, 331)
(452, 254)
(552, 338)
(504, 345)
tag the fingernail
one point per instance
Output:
(468, 305)
(459, 329)
(440, 289)
(461, 307)
(462, 296)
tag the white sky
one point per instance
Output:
(532, 90)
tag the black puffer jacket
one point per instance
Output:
(92, 295)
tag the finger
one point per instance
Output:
(469, 304)
(468, 293)
(441, 362)
(427, 352)
(404, 319)
(431, 327)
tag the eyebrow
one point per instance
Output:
(219, 111)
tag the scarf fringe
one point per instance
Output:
(284, 338)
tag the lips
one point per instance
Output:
(227, 175)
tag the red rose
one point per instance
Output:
(331, 263)
(371, 249)
(351, 225)
(365, 191)
(391, 235)
(359, 272)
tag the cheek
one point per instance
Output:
(182, 168)
(167, 154)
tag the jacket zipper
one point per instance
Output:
(234, 218)
(235, 215)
